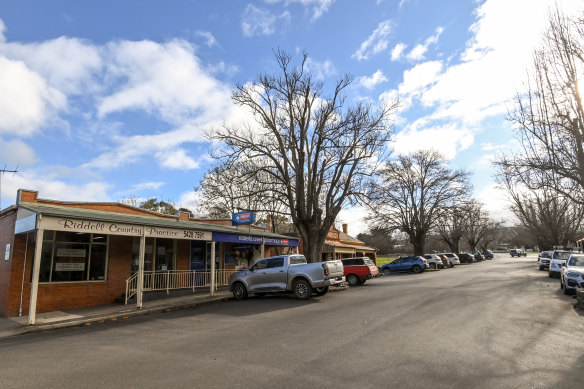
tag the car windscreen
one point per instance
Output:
(576, 261)
(562, 255)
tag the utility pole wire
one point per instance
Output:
(2, 171)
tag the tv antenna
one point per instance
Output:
(2, 171)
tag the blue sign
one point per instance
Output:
(253, 239)
(240, 218)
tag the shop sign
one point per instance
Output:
(89, 226)
(236, 238)
(240, 218)
(251, 239)
(281, 242)
(175, 233)
(7, 252)
(69, 266)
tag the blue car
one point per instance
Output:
(410, 263)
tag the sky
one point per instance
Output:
(110, 100)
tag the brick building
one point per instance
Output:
(61, 255)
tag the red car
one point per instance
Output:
(358, 270)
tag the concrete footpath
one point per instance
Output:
(14, 326)
(106, 313)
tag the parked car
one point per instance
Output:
(358, 270)
(544, 260)
(411, 263)
(478, 256)
(452, 258)
(445, 260)
(287, 273)
(545, 255)
(572, 275)
(434, 261)
(517, 253)
(466, 258)
(488, 254)
(559, 258)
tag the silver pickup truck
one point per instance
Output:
(287, 273)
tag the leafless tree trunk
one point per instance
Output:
(413, 193)
(317, 151)
(549, 118)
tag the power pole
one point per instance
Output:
(2, 171)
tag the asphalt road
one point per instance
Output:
(494, 324)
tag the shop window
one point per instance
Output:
(69, 257)
(158, 254)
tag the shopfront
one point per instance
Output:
(64, 255)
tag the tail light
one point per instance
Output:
(325, 268)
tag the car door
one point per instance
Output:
(276, 274)
(394, 266)
(256, 278)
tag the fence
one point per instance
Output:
(175, 279)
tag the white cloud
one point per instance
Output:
(375, 43)
(317, 7)
(492, 147)
(260, 21)
(176, 159)
(26, 102)
(416, 79)
(418, 52)
(153, 185)
(373, 80)
(16, 152)
(166, 80)
(67, 64)
(51, 188)
(446, 139)
(496, 202)
(492, 67)
(353, 217)
(398, 51)
(210, 40)
(321, 70)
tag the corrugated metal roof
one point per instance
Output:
(356, 247)
(81, 213)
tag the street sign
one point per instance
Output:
(240, 218)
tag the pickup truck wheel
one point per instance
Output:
(239, 291)
(353, 280)
(302, 289)
(321, 291)
(417, 269)
(386, 271)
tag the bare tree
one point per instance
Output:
(225, 190)
(413, 193)
(549, 117)
(480, 225)
(550, 217)
(317, 151)
(452, 225)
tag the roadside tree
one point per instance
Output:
(413, 192)
(549, 117)
(226, 189)
(308, 145)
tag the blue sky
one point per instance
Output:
(108, 100)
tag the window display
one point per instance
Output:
(71, 256)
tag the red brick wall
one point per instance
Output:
(6, 237)
(72, 295)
